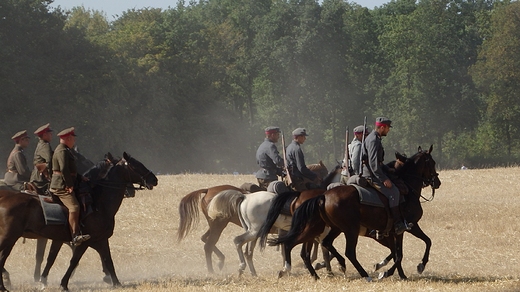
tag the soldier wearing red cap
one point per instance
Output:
(18, 173)
(268, 158)
(41, 173)
(64, 175)
(376, 172)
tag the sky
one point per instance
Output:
(116, 7)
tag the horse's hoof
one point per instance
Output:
(382, 275)
(420, 268)
(107, 279)
(316, 277)
(281, 274)
(343, 269)
(220, 265)
(330, 274)
(319, 266)
(369, 279)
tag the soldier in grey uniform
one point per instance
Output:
(354, 152)
(18, 173)
(268, 158)
(375, 172)
(64, 174)
(42, 171)
(300, 174)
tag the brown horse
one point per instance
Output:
(21, 215)
(341, 210)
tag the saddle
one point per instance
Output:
(371, 196)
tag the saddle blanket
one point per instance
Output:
(369, 196)
(53, 213)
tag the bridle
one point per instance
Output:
(142, 184)
(426, 181)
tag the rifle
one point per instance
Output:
(362, 147)
(346, 159)
(285, 167)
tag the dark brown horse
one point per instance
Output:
(21, 215)
(341, 210)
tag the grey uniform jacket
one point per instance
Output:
(17, 169)
(268, 158)
(354, 151)
(375, 155)
(296, 162)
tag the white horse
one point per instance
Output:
(252, 211)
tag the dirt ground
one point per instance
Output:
(473, 223)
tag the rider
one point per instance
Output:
(268, 158)
(354, 152)
(62, 182)
(18, 173)
(42, 158)
(300, 174)
(374, 170)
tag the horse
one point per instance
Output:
(252, 211)
(21, 215)
(341, 210)
(83, 164)
(189, 217)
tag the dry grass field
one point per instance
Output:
(474, 223)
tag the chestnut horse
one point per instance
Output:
(341, 210)
(189, 216)
(21, 215)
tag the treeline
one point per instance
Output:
(191, 88)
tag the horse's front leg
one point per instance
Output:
(103, 248)
(51, 258)
(417, 232)
(76, 256)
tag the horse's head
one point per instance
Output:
(320, 169)
(138, 172)
(425, 166)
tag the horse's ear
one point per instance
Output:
(109, 157)
(431, 149)
(400, 157)
(321, 163)
(126, 156)
(419, 149)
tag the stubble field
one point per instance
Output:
(473, 223)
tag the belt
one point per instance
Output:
(59, 172)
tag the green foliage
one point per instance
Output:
(191, 88)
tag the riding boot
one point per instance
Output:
(399, 226)
(77, 237)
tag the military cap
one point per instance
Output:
(67, 132)
(43, 129)
(300, 132)
(359, 129)
(382, 121)
(18, 136)
(270, 130)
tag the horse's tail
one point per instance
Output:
(225, 204)
(189, 212)
(274, 211)
(307, 212)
